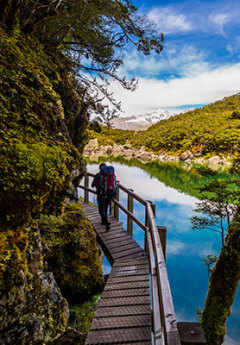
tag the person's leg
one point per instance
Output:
(101, 209)
(108, 203)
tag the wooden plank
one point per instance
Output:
(131, 267)
(105, 237)
(136, 255)
(124, 286)
(117, 273)
(127, 246)
(121, 243)
(121, 321)
(123, 314)
(126, 293)
(123, 311)
(113, 280)
(129, 262)
(124, 301)
(113, 336)
(127, 252)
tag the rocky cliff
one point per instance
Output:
(42, 134)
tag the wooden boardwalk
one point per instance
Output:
(124, 312)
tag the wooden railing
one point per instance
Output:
(165, 328)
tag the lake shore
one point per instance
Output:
(93, 151)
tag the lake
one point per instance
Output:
(186, 247)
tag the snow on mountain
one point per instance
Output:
(142, 121)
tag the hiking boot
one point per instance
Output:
(108, 226)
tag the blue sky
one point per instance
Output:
(200, 62)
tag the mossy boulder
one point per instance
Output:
(32, 309)
(42, 134)
(72, 253)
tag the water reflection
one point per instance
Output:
(185, 247)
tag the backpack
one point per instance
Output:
(108, 183)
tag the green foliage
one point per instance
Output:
(36, 154)
(209, 129)
(209, 260)
(82, 315)
(109, 136)
(95, 126)
(79, 274)
(219, 204)
(213, 129)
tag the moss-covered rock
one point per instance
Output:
(72, 253)
(41, 113)
(32, 309)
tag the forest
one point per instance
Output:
(213, 129)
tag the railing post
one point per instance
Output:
(153, 206)
(163, 238)
(130, 209)
(116, 208)
(111, 208)
(147, 225)
(86, 193)
(153, 209)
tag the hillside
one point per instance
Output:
(213, 129)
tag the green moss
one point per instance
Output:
(223, 286)
(38, 110)
(82, 315)
(72, 253)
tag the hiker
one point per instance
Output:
(106, 185)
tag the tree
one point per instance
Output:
(209, 260)
(219, 204)
(222, 205)
(92, 34)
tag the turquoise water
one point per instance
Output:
(185, 247)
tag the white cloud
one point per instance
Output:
(202, 88)
(169, 21)
(183, 61)
(175, 247)
(234, 48)
(220, 20)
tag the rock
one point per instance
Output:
(199, 161)
(75, 178)
(108, 150)
(93, 143)
(214, 160)
(186, 155)
(32, 307)
(70, 337)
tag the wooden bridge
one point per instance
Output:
(136, 306)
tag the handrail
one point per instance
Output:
(164, 321)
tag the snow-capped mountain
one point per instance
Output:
(142, 121)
